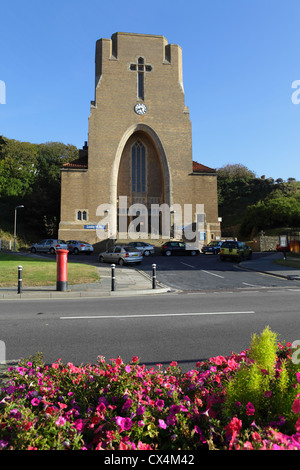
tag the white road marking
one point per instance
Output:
(213, 274)
(101, 317)
(189, 265)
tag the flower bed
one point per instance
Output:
(248, 401)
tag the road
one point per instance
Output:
(185, 327)
(207, 272)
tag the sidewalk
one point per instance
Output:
(265, 264)
(128, 282)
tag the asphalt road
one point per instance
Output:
(185, 327)
(207, 272)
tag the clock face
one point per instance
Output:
(140, 108)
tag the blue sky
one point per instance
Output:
(240, 58)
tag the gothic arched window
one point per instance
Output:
(138, 168)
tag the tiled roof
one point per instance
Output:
(199, 168)
(80, 163)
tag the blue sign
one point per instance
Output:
(94, 227)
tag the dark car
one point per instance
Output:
(212, 247)
(178, 248)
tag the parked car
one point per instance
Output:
(77, 247)
(121, 255)
(282, 248)
(212, 247)
(48, 245)
(144, 247)
(235, 250)
(178, 248)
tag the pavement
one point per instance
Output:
(266, 264)
(129, 281)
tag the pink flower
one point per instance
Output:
(162, 424)
(256, 437)
(247, 446)
(134, 359)
(296, 406)
(250, 410)
(127, 369)
(60, 421)
(35, 402)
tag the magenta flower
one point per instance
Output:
(160, 403)
(250, 410)
(35, 402)
(140, 410)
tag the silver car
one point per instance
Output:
(49, 245)
(76, 247)
(144, 247)
(121, 255)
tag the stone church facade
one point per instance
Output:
(139, 148)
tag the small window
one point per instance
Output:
(82, 215)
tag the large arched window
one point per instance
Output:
(138, 167)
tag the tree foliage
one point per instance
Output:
(256, 203)
(30, 175)
(280, 209)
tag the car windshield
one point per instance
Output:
(229, 245)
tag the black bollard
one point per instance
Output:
(153, 276)
(19, 279)
(113, 277)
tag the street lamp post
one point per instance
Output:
(15, 226)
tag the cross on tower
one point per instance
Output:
(141, 68)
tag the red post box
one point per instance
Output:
(62, 270)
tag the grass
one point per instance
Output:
(292, 260)
(41, 272)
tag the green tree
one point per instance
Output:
(30, 174)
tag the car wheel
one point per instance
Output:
(146, 253)
(33, 250)
(168, 253)
(76, 251)
(101, 259)
(52, 251)
(121, 261)
(193, 253)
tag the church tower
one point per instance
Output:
(139, 148)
